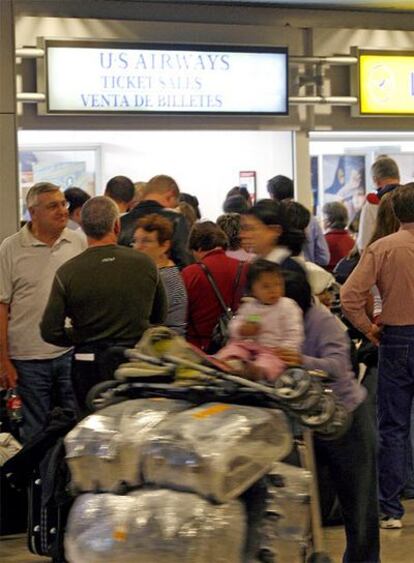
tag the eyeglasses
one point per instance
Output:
(53, 205)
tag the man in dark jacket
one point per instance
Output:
(161, 196)
(110, 293)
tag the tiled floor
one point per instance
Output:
(13, 550)
(397, 546)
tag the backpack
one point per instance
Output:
(220, 333)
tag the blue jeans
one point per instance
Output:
(42, 385)
(395, 397)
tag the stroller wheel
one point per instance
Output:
(323, 412)
(292, 384)
(310, 399)
(100, 395)
(337, 426)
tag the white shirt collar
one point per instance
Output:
(28, 239)
(278, 254)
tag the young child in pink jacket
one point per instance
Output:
(265, 322)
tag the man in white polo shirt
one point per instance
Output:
(28, 262)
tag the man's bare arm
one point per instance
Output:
(8, 374)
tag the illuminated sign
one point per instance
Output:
(386, 83)
(102, 77)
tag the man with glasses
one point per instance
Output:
(28, 262)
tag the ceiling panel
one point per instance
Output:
(375, 5)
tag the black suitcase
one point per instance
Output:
(41, 468)
(13, 508)
(13, 501)
(49, 501)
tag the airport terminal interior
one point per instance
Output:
(213, 106)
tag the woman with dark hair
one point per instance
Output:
(191, 200)
(188, 211)
(297, 215)
(240, 190)
(237, 200)
(208, 244)
(351, 459)
(386, 222)
(235, 204)
(266, 232)
(231, 224)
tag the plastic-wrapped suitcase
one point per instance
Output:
(216, 450)
(150, 525)
(279, 512)
(287, 514)
(104, 450)
(289, 490)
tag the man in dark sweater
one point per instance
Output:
(111, 295)
(161, 196)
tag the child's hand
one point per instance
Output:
(249, 328)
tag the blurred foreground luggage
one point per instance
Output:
(154, 525)
(220, 448)
(104, 450)
(216, 450)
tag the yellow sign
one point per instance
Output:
(386, 84)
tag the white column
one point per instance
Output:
(302, 169)
(9, 202)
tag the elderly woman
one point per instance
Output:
(208, 244)
(340, 242)
(153, 236)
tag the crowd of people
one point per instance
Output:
(88, 273)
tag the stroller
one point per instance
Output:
(177, 428)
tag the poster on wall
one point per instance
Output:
(63, 174)
(247, 179)
(344, 180)
(66, 167)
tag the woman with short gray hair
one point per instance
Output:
(340, 242)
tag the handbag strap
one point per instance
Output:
(216, 289)
(237, 282)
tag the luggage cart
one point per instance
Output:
(162, 366)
